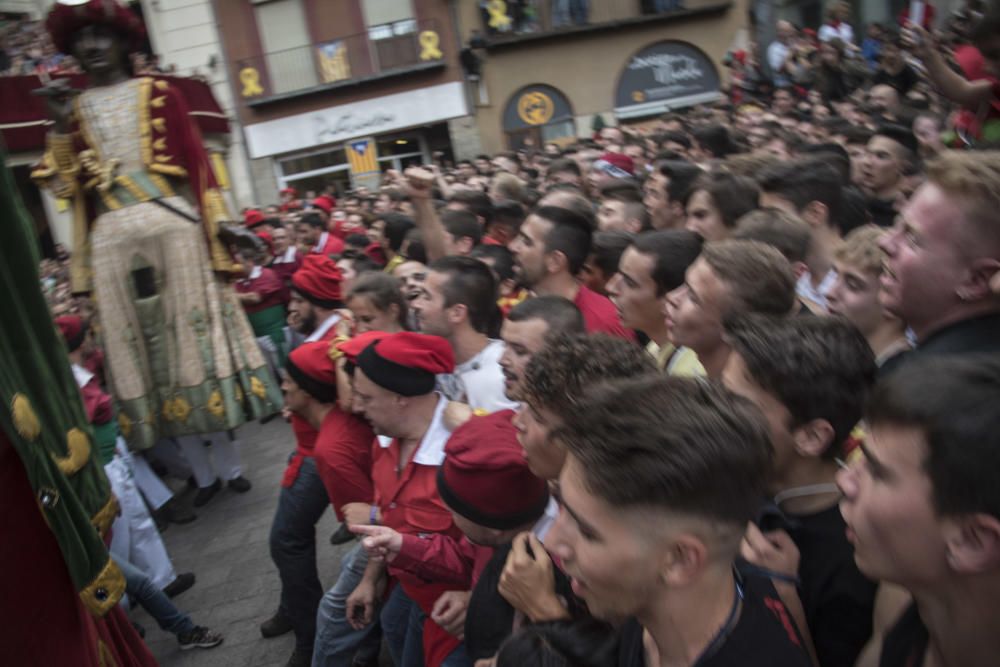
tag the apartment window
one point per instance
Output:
(392, 32)
(282, 26)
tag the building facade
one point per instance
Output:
(548, 67)
(335, 93)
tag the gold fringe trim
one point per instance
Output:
(158, 102)
(133, 188)
(160, 144)
(163, 184)
(104, 655)
(161, 85)
(78, 446)
(169, 170)
(145, 144)
(105, 516)
(159, 124)
(102, 594)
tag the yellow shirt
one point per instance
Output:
(681, 362)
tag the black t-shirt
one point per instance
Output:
(764, 635)
(902, 81)
(906, 643)
(837, 598)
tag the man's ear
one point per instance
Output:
(817, 214)
(555, 262)
(799, 269)
(972, 543)
(813, 438)
(465, 245)
(683, 561)
(976, 287)
(457, 313)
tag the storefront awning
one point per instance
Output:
(664, 76)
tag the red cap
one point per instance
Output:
(485, 478)
(311, 367)
(267, 239)
(318, 281)
(355, 346)
(325, 203)
(406, 363)
(289, 191)
(64, 21)
(73, 329)
(252, 217)
(618, 165)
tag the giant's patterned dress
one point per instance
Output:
(181, 356)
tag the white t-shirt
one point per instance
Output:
(479, 381)
(843, 31)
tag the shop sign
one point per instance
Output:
(666, 75)
(420, 106)
(534, 106)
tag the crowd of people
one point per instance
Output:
(718, 392)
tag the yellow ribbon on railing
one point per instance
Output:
(497, 10)
(429, 41)
(250, 78)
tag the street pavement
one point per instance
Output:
(237, 585)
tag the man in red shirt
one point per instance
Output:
(310, 388)
(549, 251)
(312, 230)
(394, 387)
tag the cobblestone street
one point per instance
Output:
(227, 549)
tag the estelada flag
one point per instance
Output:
(362, 156)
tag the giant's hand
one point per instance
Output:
(59, 98)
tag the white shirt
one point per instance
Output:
(541, 528)
(287, 258)
(804, 288)
(321, 243)
(479, 381)
(430, 451)
(844, 32)
(81, 375)
(323, 328)
(776, 55)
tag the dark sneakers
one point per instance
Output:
(207, 493)
(199, 637)
(239, 484)
(275, 626)
(299, 659)
(181, 583)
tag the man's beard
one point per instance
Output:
(308, 323)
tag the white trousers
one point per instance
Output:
(150, 485)
(221, 459)
(134, 535)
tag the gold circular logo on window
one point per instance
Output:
(535, 108)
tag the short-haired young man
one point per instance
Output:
(652, 265)
(661, 477)
(312, 230)
(942, 254)
(556, 377)
(525, 331)
(549, 251)
(621, 208)
(602, 263)
(458, 301)
(789, 234)
(892, 153)
(811, 189)
(462, 232)
(923, 510)
(809, 376)
(666, 192)
(728, 278)
(858, 262)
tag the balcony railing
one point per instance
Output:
(384, 49)
(505, 20)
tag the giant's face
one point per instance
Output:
(98, 48)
